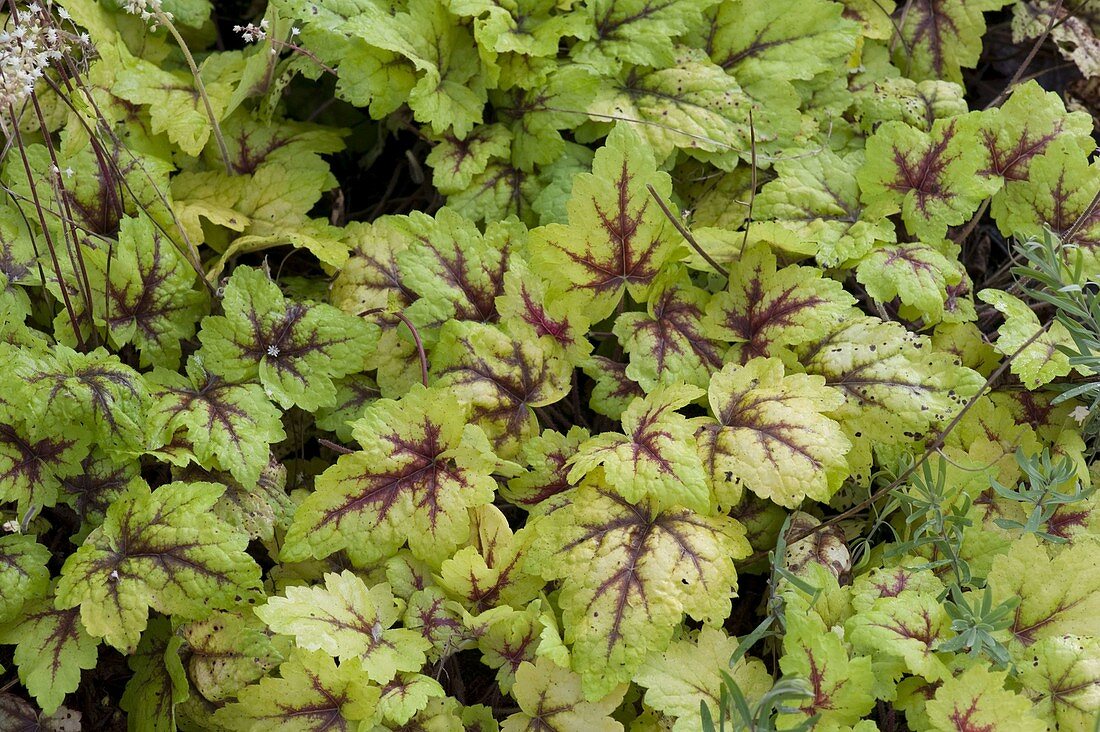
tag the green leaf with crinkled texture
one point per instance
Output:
(551, 697)
(1057, 192)
(159, 682)
(919, 275)
(931, 178)
(353, 394)
(1015, 133)
(1041, 361)
(51, 648)
(437, 620)
(882, 582)
(527, 27)
(455, 162)
(789, 39)
(23, 573)
(225, 426)
(508, 637)
(501, 378)
(1061, 677)
(916, 103)
(406, 695)
(689, 672)
(161, 550)
(227, 652)
(456, 271)
(417, 473)
(94, 394)
(908, 626)
(258, 508)
(527, 311)
(148, 294)
(635, 31)
(311, 694)
(489, 572)
(628, 573)
(614, 390)
(173, 102)
(295, 350)
(772, 435)
(450, 87)
(617, 239)
(816, 197)
(941, 37)
(1058, 595)
(892, 380)
(33, 470)
(764, 311)
(840, 684)
(655, 457)
(976, 700)
(347, 619)
(546, 459)
(667, 344)
(691, 105)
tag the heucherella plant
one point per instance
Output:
(607, 365)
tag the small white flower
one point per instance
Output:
(273, 351)
(12, 527)
(295, 31)
(113, 576)
(68, 172)
(1080, 413)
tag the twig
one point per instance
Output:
(684, 232)
(1029, 58)
(334, 447)
(752, 189)
(416, 339)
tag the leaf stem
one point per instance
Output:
(684, 232)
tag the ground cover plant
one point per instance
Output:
(549, 365)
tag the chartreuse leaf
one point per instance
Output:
(931, 178)
(226, 426)
(455, 162)
(450, 87)
(51, 648)
(691, 105)
(1041, 361)
(407, 695)
(95, 395)
(977, 699)
(771, 434)
(161, 550)
(490, 571)
(617, 239)
(628, 573)
(347, 619)
(159, 682)
(840, 684)
(413, 480)
(149, 294)
(1055, 194)
(655, 456)
(23, 573)
(311, 694)
(527, 27)
(227, 652)
(614, 390)
(908, 626)
(816, 197)
(690, 671)
(552, 697)
(667, 343)
(764, 310)
(1061, 676)
(527, 311)
(295, 350)
(1024, 127)
(789, 39)
(501, 378)
(941, 37)
(546, 459)
(635, 31)
(507, 637)
(33, 470)
(1058, 595)
(919, 275)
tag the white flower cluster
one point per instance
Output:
(27, 48)
(252, 33)
(148, 10)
